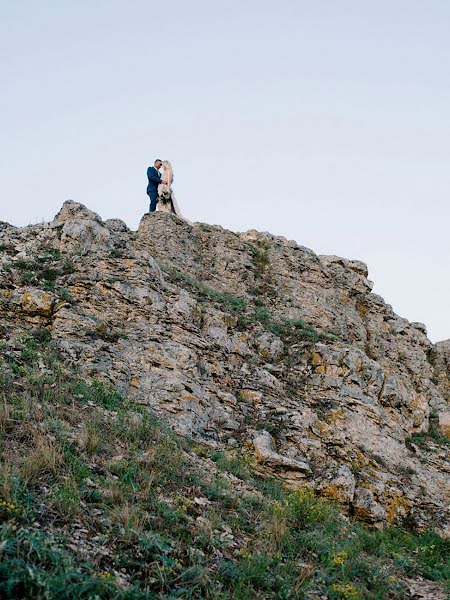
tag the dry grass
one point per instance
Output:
(6, 422)
(115, 492)
(43, 457)
(277, 527)
(130, 516)
(147, 486)
(34, 411)
(6, 480)
(134, 425)
(91, 438)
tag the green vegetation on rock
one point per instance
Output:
(43, 271)
(99, 499)
(293, 329)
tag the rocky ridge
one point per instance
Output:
(246, 341)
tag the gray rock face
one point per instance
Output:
(266, 453)
(80, 229)
(441, 362)
(252, 338)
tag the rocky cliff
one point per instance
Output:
(249, 342)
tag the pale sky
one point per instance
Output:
(326, 122)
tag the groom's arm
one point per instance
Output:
(152, 176)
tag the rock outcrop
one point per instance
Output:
(246, 340)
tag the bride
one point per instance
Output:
(167, 201)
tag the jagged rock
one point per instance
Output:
(269, 346)
(30, 302)
(142, 317)
(36, 302)
(441, 364)
(341, 487)
(444, 424)
(267, 454)
(80, 228)
(421, 589)
(366, 508)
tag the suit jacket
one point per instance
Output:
(154, 179)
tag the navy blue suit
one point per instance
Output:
(154, 179)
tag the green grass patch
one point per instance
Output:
(230, 302)
(425, 439)
(44, 270)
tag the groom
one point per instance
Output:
(154, 179)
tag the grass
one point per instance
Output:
(426, 439)
(261, 314)
(39, 336)
(117, 253)
(101, 500)
(297, 328)
(43, 270)
(65, 294)
(43, 458)
(288, 329)
(230, 302)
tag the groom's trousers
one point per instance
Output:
(153, 201)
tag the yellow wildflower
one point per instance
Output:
(339, 558)
(346, 591)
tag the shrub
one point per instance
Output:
(260, 255)
(65, 294)
(41, 335)
(261, 315)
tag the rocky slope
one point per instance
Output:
(250, 342)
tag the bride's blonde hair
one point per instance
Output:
(164, 191)
(167, 176)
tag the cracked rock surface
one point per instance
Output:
(247, 339)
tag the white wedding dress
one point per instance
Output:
(167, 201)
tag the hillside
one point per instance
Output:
(194, 413)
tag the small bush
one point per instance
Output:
(260, 255)
(65, 294)
(304, 509)
(261, 314)
(41, 335)
(117, 253)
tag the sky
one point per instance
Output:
(325, 122)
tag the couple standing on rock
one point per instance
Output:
(159, 188)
